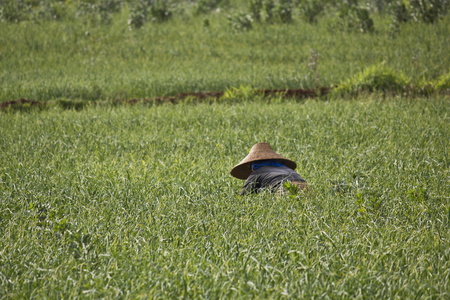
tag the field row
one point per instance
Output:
(74, 60)
(137, 201)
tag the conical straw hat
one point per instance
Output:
(260, 151)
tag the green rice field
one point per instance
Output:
(137, 201)
(102, 198)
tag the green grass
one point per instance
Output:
(137, 201)
(76, 59)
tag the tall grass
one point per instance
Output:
(137, 202)
(83, 60)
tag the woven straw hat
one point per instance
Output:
(260, 151)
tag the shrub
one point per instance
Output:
(283, 11)
(138, 14)
(241, 93)
(14, 10)
(205, 6)
(149, 10)
(364, 21)
(442, 84)
(310, 10)
(269, 6)
(160, 11)
(279, 11)
(378, 5)
(256, 7)
(351, 17)
(427, 11)
(399, 12)
(240, 21)
(21, 10)
(374, 79)
(98, 10)
(50, 10)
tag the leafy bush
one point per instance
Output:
(365, 22)
(22, 10)
(160, 11)
(98, 10)
(256, 7)
(138, 14)
(311, 10)
(442, 84)
(378, 5)
(283, 11)
(352, 17)
(374, 79)
(241, 93)
(240, 21)
(427, 11)
(50, 10)
(149, 10)
(279, 11)
(205, 6)
(399, 14)
(268, 6)
(14, 10)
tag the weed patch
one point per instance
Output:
(374, 79)
(442, 84)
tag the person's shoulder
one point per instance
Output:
(285, 169)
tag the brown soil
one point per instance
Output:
(287, 93)
(21, 102)
(294, 93)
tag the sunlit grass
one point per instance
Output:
(78, 60)
(137, 201)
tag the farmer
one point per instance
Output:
(263, 168)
